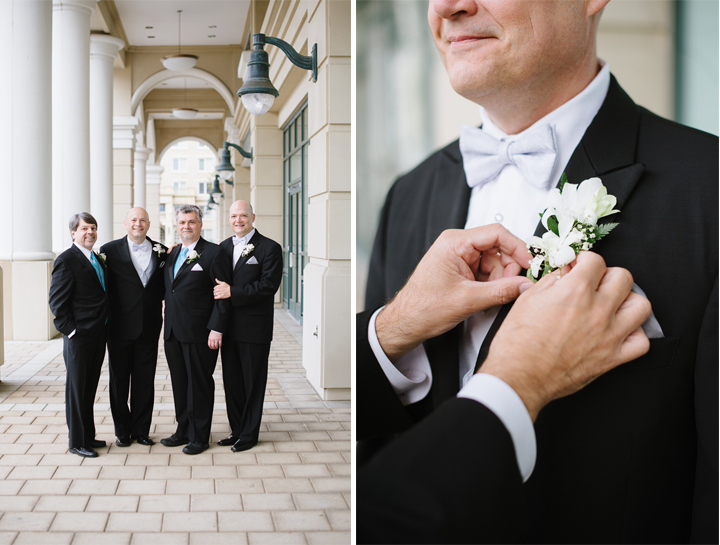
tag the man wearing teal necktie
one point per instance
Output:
(78, 301)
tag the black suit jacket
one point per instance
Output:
(134, 309)
(452, 479)
(77, 299)
(253, 289)
(191, 311)
(634, 456)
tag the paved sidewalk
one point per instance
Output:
(293, 487)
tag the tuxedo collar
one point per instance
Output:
(199, 245)
(80, 256)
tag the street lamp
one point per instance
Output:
(225, 169)
(258, 93)
(216, 190)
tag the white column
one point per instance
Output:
(124, 130)
(141, 156)
(26, 147)
(70, 113)
(154, 176)
(103, 50)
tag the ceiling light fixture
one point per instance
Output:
(185, 112)
(179, 62)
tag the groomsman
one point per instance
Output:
(257, 272)
(194, 327)
(79, 303)
(136, 288)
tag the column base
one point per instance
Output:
(31, 316)
(326, 356)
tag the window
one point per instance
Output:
(179, 188)
(179, 164)
(180, 145)
(202, 188)
(162, 207)
(205, 164)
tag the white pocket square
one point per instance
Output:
(651, 327)
(197, 267)
(252, 261)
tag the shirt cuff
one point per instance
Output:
(411, 376)
(213, 331)
(502, 400)
(71, 334)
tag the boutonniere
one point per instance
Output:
(159, 250)
(100, 257)
(571, 220)
(247, 249)
(192, 256)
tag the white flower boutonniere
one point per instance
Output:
(571, 219)
(247, 249)
(192, 256)
(100, 257)
(159, 250)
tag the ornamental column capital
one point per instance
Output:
(104, 45)
(84, 6)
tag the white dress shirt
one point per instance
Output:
(510, 200)
(141, 257)
(240, 246)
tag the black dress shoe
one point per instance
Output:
(143, 440)
(174, 441)
(195, 448)
(85, 452)
(95, 443)
(123, 441)
(243, 445)
(229, 440)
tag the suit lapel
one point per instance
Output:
(449, 204)
(448, 209)
(198, 248)
(607, 150)
(240, 262)
(126, 258)
(86, 263)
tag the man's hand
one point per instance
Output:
(460, 275)
(215, 340)
(222, 290)
(563, 333)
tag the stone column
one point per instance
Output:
(25, 150)
(70, 113)
(124, 130)
(326, 301)
(153, 178)
(141, 156)
(103, 50)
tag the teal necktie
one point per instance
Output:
(180, 260)
(98, 269)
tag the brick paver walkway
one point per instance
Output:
(293, 487)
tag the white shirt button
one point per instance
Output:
(499, 218)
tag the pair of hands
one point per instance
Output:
(562, 332)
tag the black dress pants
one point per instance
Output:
(191, 369)
(245, 370)
(132, 372)
(83, 361)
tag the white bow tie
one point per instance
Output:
(237, 240)
(484, 156)
(140, 247)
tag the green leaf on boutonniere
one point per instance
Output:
(563, 181)
(553, 225)
(604, 229)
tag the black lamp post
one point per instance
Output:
(258, 93)
(225, 168)
(215, 190)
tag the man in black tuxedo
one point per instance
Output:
(560, 354)
(257, 272)
(79, 302)
(194, 327)
(633, 457)
(136, 288)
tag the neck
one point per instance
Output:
(187, 243)
(515, 111)
(137, 240)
